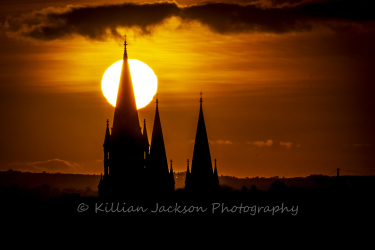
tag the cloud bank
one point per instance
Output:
(276, 16)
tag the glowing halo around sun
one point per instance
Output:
(144, 80)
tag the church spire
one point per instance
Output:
(201, 176)
(158, 156)
(126, 114)
(127, 149)
(201, 163)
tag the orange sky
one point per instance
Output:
(279, 100)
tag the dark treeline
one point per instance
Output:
(316, 196)
(87, 185)
(56, 183)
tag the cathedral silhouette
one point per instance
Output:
(132, 166)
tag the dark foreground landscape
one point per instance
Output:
(314, 199)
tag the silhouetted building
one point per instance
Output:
(132, 166)
(129, 166)
(157, 165)
(201, 177)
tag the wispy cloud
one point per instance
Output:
(222, 142)
(260, 144)
(286, 144)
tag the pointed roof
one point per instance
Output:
(107, 136)
(125, 121)
(201, 163)
(158, 156)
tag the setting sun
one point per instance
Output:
(143, 78)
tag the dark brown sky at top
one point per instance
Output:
(288, 85)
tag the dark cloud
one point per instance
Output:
(223, 18)
(94, 22)
(276, 16)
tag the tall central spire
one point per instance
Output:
(126, 138)
(126, 114)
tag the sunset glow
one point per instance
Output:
(144, 82)
(287, 84)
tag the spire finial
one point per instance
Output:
(201, 98)
(107, 122)
(125, 51)
(157, 100)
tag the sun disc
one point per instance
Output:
(143, 78)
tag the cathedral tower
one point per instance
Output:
(124, 147)
(133, 166)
